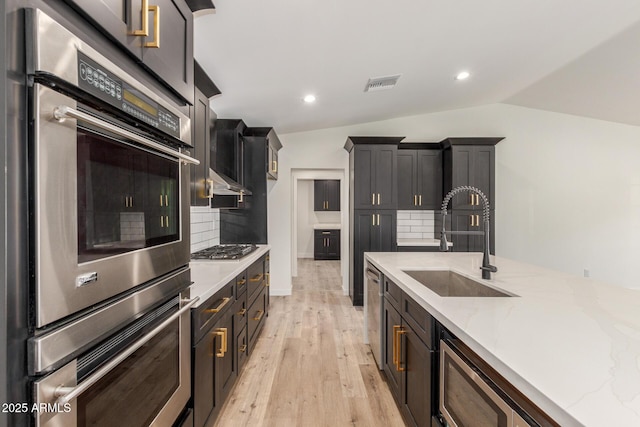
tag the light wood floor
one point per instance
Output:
(310, 366)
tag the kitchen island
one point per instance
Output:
(571, 345)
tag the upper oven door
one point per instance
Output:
(111, 212)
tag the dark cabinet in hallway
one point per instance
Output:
(326, 195)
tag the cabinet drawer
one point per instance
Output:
(392, 293)
(257, 312)
(255, 279)
(241, 284)
(240, 313)
(212, 310)
(419, 319)
(242, 348)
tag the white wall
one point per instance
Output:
(306, 219)
(567, 188)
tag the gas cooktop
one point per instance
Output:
(224, 252)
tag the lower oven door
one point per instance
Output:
(146, 384)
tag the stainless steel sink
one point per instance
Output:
(450, 284)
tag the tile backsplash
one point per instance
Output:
(205, 227)
(416, 224)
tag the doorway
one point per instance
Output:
(304, 218)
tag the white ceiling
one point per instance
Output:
(574, 56)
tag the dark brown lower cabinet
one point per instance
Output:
(408, 365)
(326, 244)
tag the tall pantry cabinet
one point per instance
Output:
(373, 201)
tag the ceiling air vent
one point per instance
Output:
(381, 83)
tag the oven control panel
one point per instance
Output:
(107, 86)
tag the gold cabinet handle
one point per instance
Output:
(161, 199)
(471, 196)
(420, 200)
(166, 221)
(241, 282)
(274, 167)
(243, 348)
(395, 344)
(126, 202)
(144, 31)
(257, 278)
(268, 283)
(378, 198)
(166, 200)
(241, 197)
(373, 219)
(161, 221)
(399, 366)
(242, 312)
(224, 302)
(477, 200)
(156, 28)
(477, 220)
(222, 333)
(131, 201)
(259, 315)
(378, 215)
(373, 198)
(415, 200)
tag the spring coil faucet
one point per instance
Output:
(486, 268)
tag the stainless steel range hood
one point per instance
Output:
(223, 185)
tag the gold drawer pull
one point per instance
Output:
(242, 312)
(243, 348)
(395, 344)
(144, 31)
(156, 28)
(242, 282)
(257, 278)
(224, 302)
(275, 166)
(399, 365)
(259, 315)
(222, 333)
(268, 283)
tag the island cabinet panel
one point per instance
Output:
(375, 176)
(374, 231)
(165, 49)
(409, 355)
(419, 179)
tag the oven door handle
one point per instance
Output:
(62, 112)
(67, 394)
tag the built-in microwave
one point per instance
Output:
(468, 396)
(110, 187)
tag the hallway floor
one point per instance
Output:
(310, 366)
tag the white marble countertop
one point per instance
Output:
(209, 276)
(420, 242)
(570, 344)
(327, 226)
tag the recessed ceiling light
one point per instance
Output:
(463, 75)
(309, 99)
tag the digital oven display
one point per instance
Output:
(107, 86)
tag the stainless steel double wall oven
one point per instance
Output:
(110, 239)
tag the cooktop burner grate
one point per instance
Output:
(229, 251)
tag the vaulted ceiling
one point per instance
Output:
(572, 56)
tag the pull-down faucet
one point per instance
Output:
(486, 268)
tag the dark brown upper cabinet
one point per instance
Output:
(202, 118)
(326, 195)
(375, 177)
(470, 161)
(158, 34)
(419, 176)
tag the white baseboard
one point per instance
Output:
(306, 255)
(280, 292)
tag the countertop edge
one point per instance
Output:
(226, 270)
